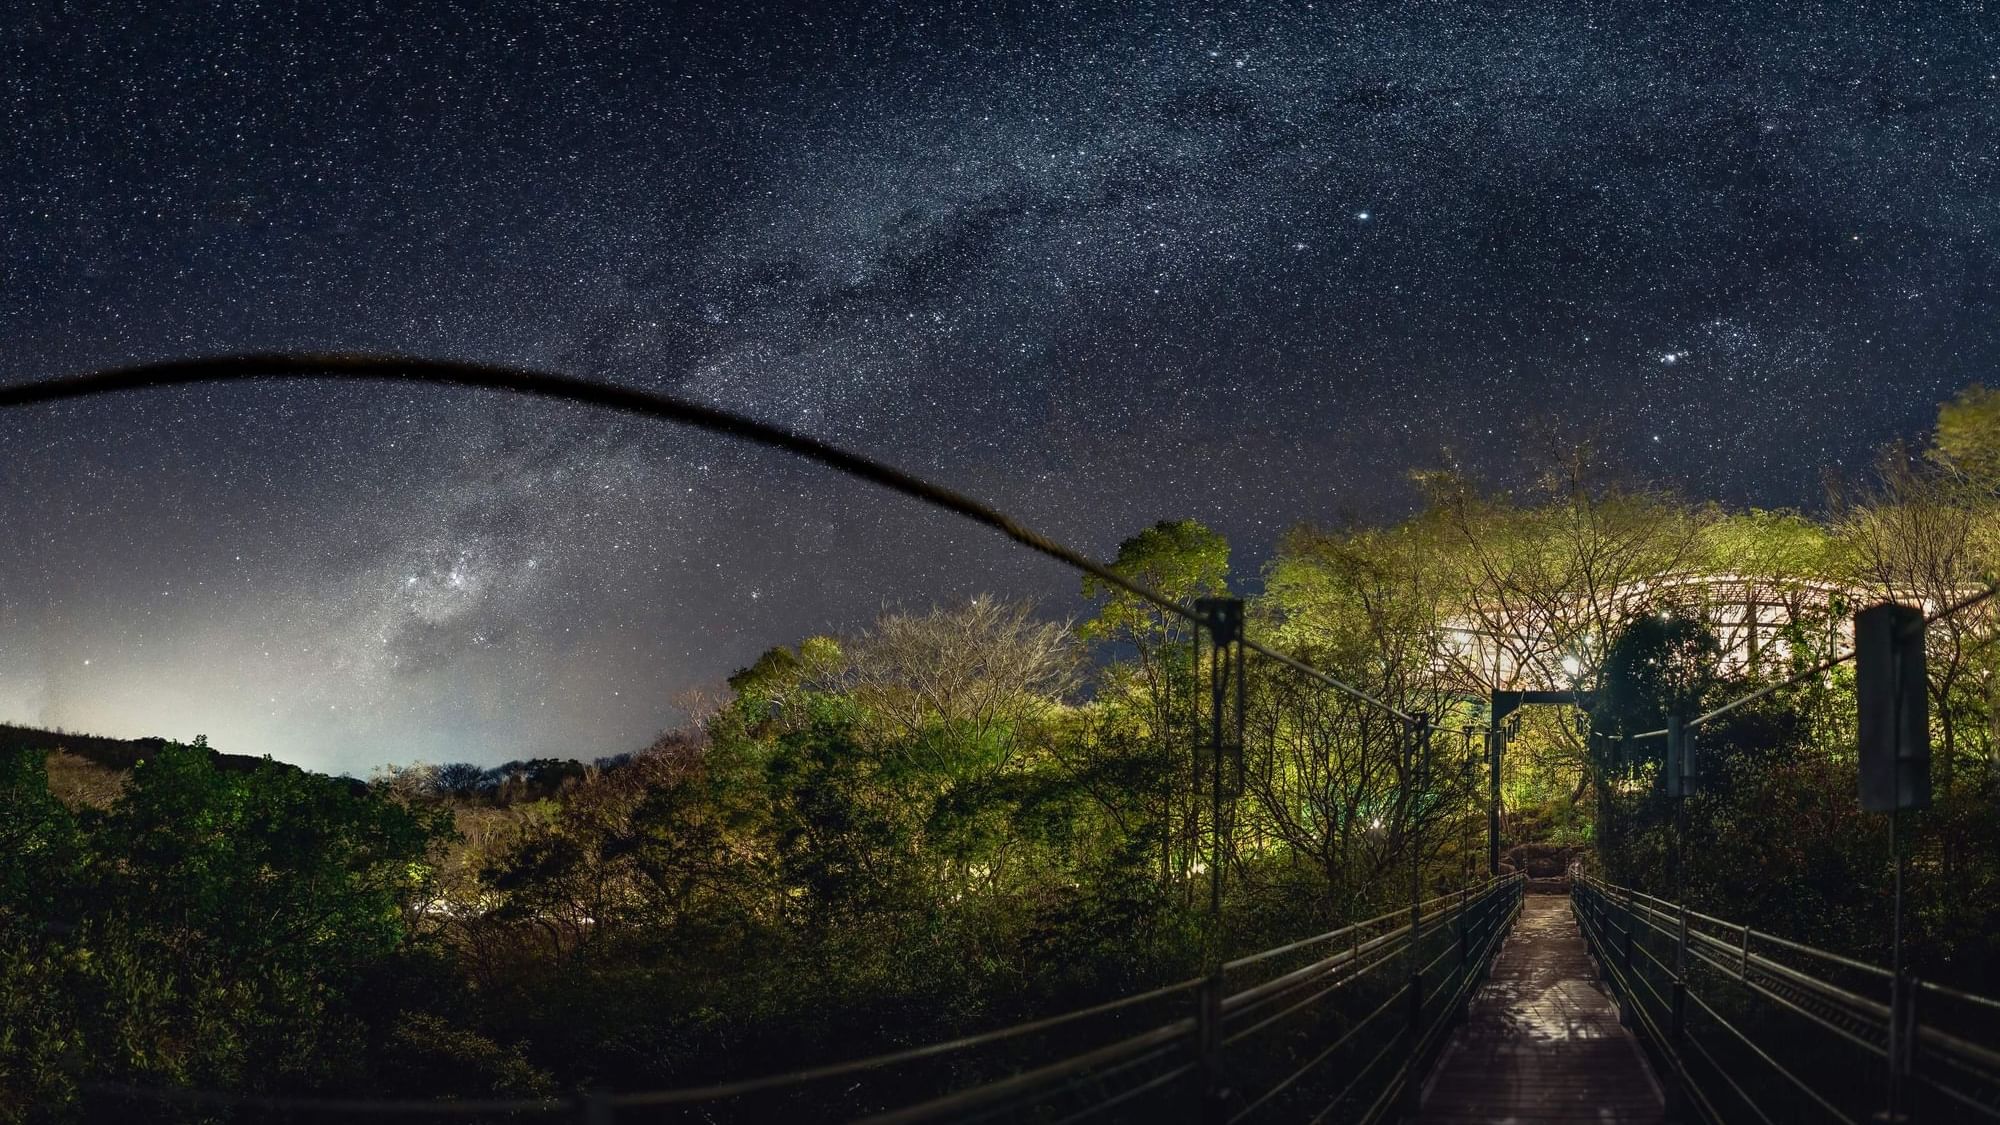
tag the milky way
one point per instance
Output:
(1098, 268)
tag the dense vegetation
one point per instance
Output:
(963, 816)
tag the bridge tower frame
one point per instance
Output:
(1500, 706)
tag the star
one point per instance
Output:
(1051, 272)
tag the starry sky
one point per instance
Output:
(1097, 264)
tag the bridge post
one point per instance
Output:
(1902, 1044)
(1208, 1050)
(1680, 753)
(1467, 971)
(1413, 1034)
(1494, 740)
(1902, 1048)
(1677, 1102)
(1893, 708)
(1416, 741)
(1223, 619)
(1625, 1003)
(1679, 1029)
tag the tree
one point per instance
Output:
(1920, 543)
(1537, 589)
(461, 779)
(215, 927)
(1182, 560)
(1340, 784)
(1658, 665)
(973, 677)
(1967, 441)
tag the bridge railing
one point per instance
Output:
(1334, 1027)
(1339, 1025)
(1754, 1027)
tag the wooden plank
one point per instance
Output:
(1541, 1040)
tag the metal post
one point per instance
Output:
(1416, 735)
(1208, 1049)
(1680, 975)
(1894, 743)
(1466, 767)
(1908, 1056)
(1413, 1029)
(1677, 792)
(594, 1107)
(1465, 931)
(1899, 991)
(1631, 997)
(1676, 1086)
(1223, 619)
(1494, 741)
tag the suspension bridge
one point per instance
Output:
(1484, 1003)
(1488, 1005)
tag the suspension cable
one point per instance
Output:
(254, 367)
(542, 384)
(1310, 672)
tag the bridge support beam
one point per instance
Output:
(1208, 1049)
(1500, 705)
(1222, 619)
(1495, 738)
(1413, 1038)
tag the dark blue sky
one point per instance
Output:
(1099, 268)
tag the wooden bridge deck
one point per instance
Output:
(1541, 1041)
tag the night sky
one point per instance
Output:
(1099, 268)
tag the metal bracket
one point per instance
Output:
(1223, 618)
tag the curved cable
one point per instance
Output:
(569, 388)
(256, 366)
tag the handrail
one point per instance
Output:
(1711, 983)
(1250, 997)
(1400, 912)
(724, 1090)
(1487, 908)
(1762, 936)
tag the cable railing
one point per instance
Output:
(1748, 1026)
(1289, 1056)
(1334, 1027)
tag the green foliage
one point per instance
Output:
(211, 927)
(1968, 435)
(1784, 545)
(1659, 665)
(1179, 558)
(930, 827)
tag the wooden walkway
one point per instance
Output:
(1541, 1041)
